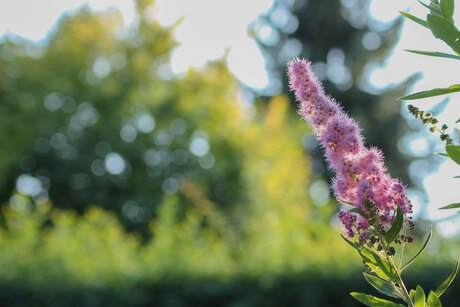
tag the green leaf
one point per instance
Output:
(373, 301)
(445, 31)
(360, 212)
(433, 300)
(456, 176)
(434, 53)
(419, 297)
(415, 19)
(381, 285)
(451, 206)
(448, 281)
(434, 92)
(447, 9)
(427, 241)
(395, 228)
(441, 154)
(345, 202)
(412, 295)
(454, 153)
(458, 121)
(375, 262)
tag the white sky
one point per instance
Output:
(212, 27)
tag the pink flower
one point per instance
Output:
(360, 172)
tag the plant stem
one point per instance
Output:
(402, 286)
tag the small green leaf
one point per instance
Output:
(433, 300)
(447, 9)
(434, 92)
(395, 228)
(416, 19)
(456, 176)
(373, 301)
(441, 154)
(345, 202)
(412, 295)
(375, 262)
(454, 153)
(419, 297)
(360, 212)
(435, 54)
(427, 241)
(445, 31)
(432, 7)
(451, 206)
(458, 121)
(381, 285)
(448, 281)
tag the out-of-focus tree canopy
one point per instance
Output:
(344, 43)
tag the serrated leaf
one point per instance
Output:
(445, 31)
(419, 297)
(447, 9)
(454, 153)
(381, 285)
(433, 92)
(373, 301)
(433, 300)
(395, 228)
(427, 241)
(415, 19)
(448, 281)
(451, 206)
(360, 212)
(375, 262)
(435, 54)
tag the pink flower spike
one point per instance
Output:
(360, 172)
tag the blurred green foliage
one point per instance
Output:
(345, 44)
(123, 184)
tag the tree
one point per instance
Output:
(343, 43)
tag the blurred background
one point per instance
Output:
(151, 154)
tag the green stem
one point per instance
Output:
(402, 286)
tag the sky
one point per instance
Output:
(222, 28)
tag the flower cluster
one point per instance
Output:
(361, 178)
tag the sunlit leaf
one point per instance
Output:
(447, 8)
(448, 281)
(381, 285)
(395, 228)
(435, 54)
(415, 19)
(445, 31)
(434, 92)
(375, 262)
(451, 206)
(344, 202)
(412, 295)
(433, 300)
(419, 297)
(427, 241)
(373, 301)
(454, 152)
